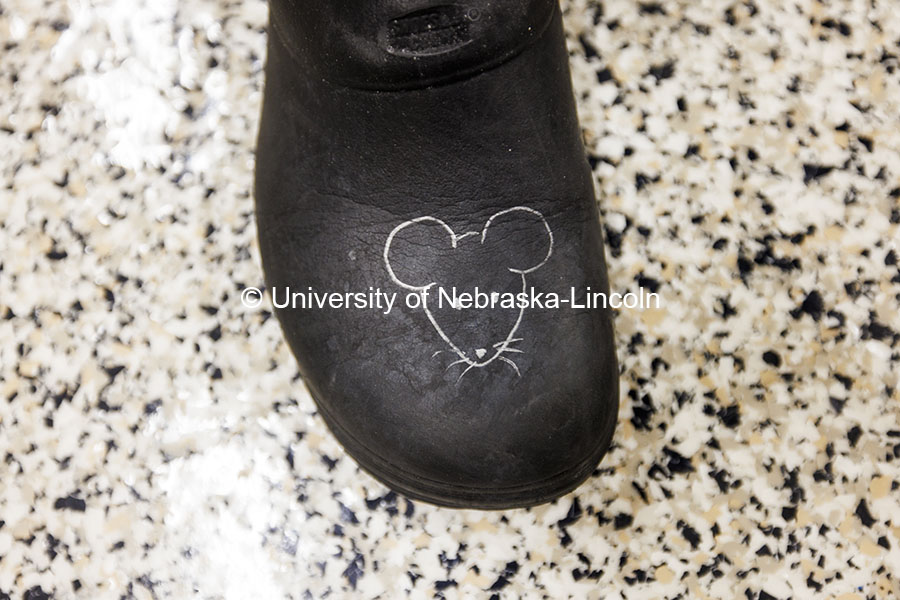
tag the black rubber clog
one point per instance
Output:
(431, 153)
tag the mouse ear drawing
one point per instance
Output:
(520, 238)
(413, 250)
(517, 239)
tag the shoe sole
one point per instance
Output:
(458, 496)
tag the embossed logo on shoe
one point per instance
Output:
(430, 31)
(425, 254)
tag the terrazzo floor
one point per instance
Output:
(157, 441)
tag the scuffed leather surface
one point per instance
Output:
(338, 168)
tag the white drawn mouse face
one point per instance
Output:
(470, 275)
(426, 255)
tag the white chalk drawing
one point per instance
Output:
(481, 356)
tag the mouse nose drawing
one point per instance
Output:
(512, 243)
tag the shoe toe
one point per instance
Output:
(492, 439)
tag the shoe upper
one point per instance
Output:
(481, 183)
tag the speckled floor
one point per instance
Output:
(158, 443)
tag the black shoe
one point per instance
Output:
(409, 152)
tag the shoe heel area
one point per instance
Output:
(395, 44)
